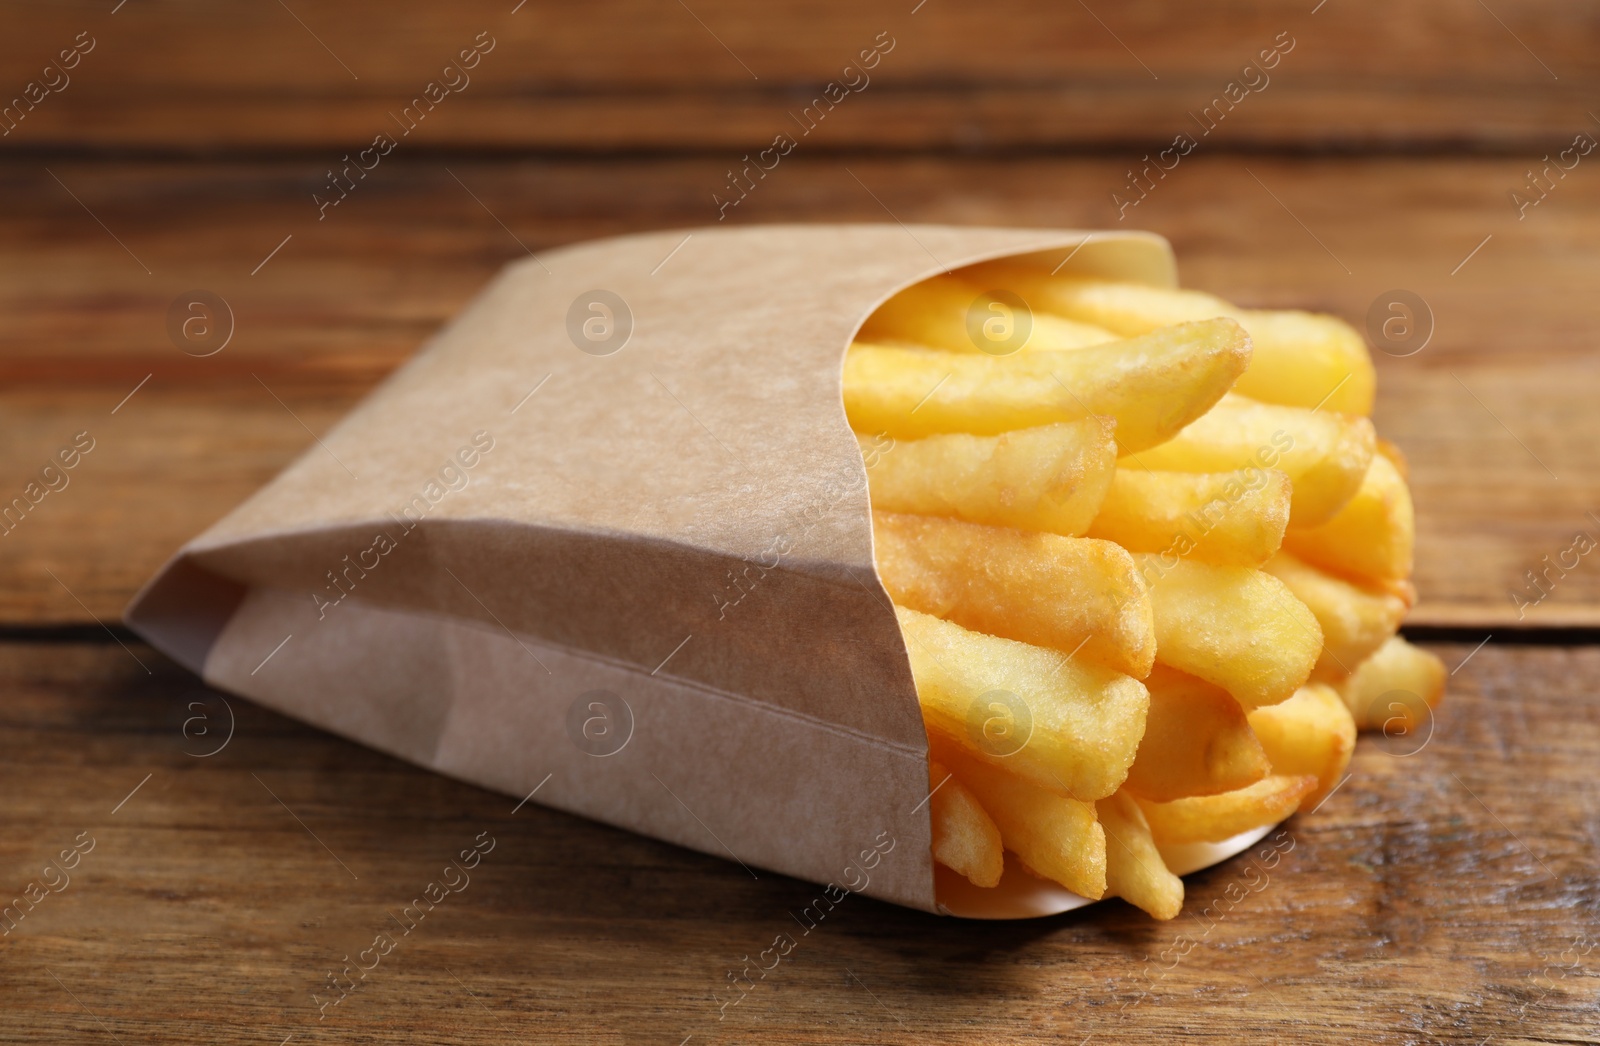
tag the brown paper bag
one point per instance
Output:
(605, 541)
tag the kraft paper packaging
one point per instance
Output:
(606, 540)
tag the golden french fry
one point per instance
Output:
(1325, 455)
(1311, 733)
(1308, 359)
(1396, 457)
(1050, 478)
(1153, 385)
(1355, 620)
(1213, 818)
(1301, 359)
(1068, 727)
(965, 838)
(1237, 627)
(949, 313)
(1216, 517)
(1055, 837)
(1371, 537)
(1197, 741)
(1394, 690)
(1122, 307)
(1135, 871)
(1078, 595)
(1404, 590)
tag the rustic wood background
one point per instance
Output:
(1446, 894)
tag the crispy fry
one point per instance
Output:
(1355, 620)
(1308, 359)
(1396, 457)
(1134, 869)
(1153, 385)
(1311, 733)
(1122, 307)
(1326, 455)
(1069, 727)
(1371, 537)
(1216, 517)
(1055, 837)
(1213, 818)
(965, 837)
(1197, 741)
(1396, 689)
(1237, 627)
(952, 314)
(1050, 478)
(1301, 359)
(1078, 595)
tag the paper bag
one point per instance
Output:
(606, 542)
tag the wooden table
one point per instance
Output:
(1447, 893)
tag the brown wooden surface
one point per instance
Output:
(1496, 413)
(1445, 894)
(177, 75)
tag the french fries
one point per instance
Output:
(965, 837)
(1213, 818)
(1237, 627)
(1056, 838)
(1152, 385)
(1371, 538)
(1197, 741)
(1049, 478)
(1080, 596)
(1069, 727)
(1396, 689)
(1355, 621)
(1134, 869)
(1301, 359)
(1308, 360)
(1325, 455)
(1148, 577)
(1217, 517)
(1123, 308)
(1311, 733)
(955, 315)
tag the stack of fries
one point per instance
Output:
(1149, 559)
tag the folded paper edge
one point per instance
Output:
(182, 610)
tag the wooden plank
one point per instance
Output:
(1501, 392)
(1444, 894)
(639, 74)
(1528, 119)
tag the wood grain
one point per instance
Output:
(1495, 413)
(1445, 894)
(181, 76)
